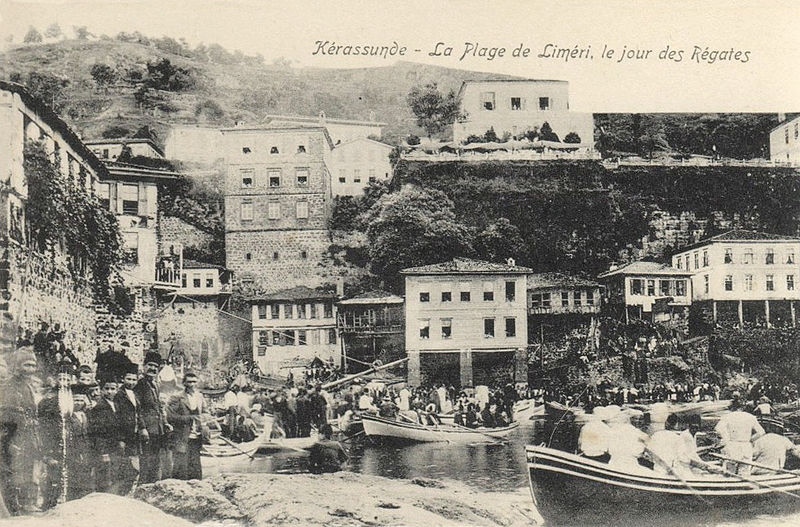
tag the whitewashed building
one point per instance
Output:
(357, 163)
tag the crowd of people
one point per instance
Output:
(82, 430)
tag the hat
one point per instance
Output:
(764, 399)
(152, 356)
(131, 368)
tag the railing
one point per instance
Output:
(168, 271)
(515, 155)
(556, 309)
(696, 162)
(369, 323)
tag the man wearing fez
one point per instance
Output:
(184, 412)
(127, 403)
(153, 426)
(104, 436)
(20, 447)
(56, 425)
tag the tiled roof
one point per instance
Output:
(739, 235)
(551, 280)
(466, 266)
(642, 267)
(295, 293)
(373, 297)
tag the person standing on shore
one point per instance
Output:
(127, 404)
(153, 426)
(105, 438)
(184, 411)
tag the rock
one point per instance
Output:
(194, 500)
(100, 510)
(430, 483)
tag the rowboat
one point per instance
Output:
(572, 490)
(389, 428)
(524, 410)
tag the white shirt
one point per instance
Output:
(738, 426)
(365, 402)
(131, 397)
(770, 450)
(229, 400)
(594, 437)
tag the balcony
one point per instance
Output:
(168, 272)
(563, 310)
(370, 322)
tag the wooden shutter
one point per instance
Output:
(142, 199)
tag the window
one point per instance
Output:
(447, 328)
(511, 291)
(276, 338)
(728, 282)
(104, 195)
(705, 258)
(651, 287)
(786, 135)
(275, 256)
(301, 337)
(289, 337)
(770, 256)
(105, 152)
(770, 283)
(274, 150)
(301, 311)
(705, 283)
(747, 258)
(488, 328)
(356, 175)
(304, 255)
(301, 149)
(576, 298)
(273, 210)
(790, 282)
(679, 263)
(246, 150)
(536, 300)
(184, 279)
(262, 311)
(288, 310)
(196, 280)
(680, 287)
(342, 176)
(327, 310)
(487, 100)
(263, 338)
(544, 103)
(302, 177)
(728, 255)
(564, 299)
(248, 256)
(372, 177)
(546, 300)
(511, 327)
(332, 336)
(589, 297)
(130, 200)
(274, 178)
(748, 282)
(275, 310)
(424, 296)
(247, 177)
(301, 209)
(516, 103)
(687, 262)
(130, 248)
(790, 256)
(697, 260)
(666, 287)
(312, 310)
(424, 329)
(488, 291)
(464, 287)
(637, 286)
(796, 130)
(209, 280)
(447, 296)
(247, 211)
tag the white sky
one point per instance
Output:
(767, 28)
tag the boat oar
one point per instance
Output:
(352, 437)
(435, 426)
(473, 430)
(719, 470)
(677, 476)
(234, 445)
(757, 465)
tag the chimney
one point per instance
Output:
(340, 287)
(511, 262)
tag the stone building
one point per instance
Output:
(277, 205)
(340, 130)
(515, 106)
(110, 149)
(35, 287)
(357, 163)
(466, 322)
(291, 328)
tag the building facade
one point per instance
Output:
(372, 327)
(556, 294)
(110, 149)
(648, 290)
(464, 318)
(784, 141)
(291, 327)
(357, 163)
(340, 130)
(277, 205)
(755, 273)
(515, 106)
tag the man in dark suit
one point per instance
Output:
(153, 426)
(184, 411)
(127, 404)
(105, 439)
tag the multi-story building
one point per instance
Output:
(515, 106)
(205, 280)
(277, 204)
(748, 275)
(648, 290)
(784, 140)
(110, 149)
(556, 294)
(357, 163)
(371, 326)
(340, 130)
(292, 327)
(466, 322)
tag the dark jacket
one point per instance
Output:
(103, 430)
(181, 417)
(151, 411)
(127, 418)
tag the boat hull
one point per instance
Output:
(387, 428)
(570, 490)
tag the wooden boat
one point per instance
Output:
(572, 490)
(523, 411)
(389, 428)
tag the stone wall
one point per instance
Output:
(36, 288)
(135, 329)
(175, 230)
(268, 261)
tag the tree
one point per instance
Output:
(49, 88)
(145, 132)
(103, 75)
(499, 241)
(412, 139)
(32, 36)
(434, 111)
(163, 75)
(209, 109)
(572, 138)
(413, 227)
(53, 31)
(115, 132)
(81, 32)
(490, 136)
(547, 133)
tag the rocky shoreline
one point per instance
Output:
(255, 500)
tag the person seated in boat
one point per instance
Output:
(471, 416)
(673, 451)
(626, 442)
(489, 416)
(770, 450)
(388, 409)
(326, 455)
(764, 406)
(365, 403)
(737, 430)
(594, 436)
